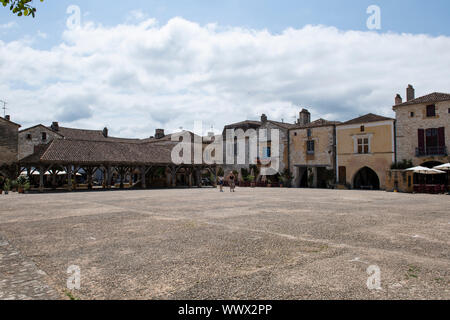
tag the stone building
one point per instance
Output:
(264, 146)
(8, 145)
(312, 152)
(111, 160)
(423, 128)
(365, 151)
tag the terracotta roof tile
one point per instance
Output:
(370, 117)
(429, 98)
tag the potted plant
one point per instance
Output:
(27, 187)
(21, 184)
(252, 181)
(269, 183)
(13, 185)
(6, 186)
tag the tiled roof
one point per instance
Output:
(283, 124)
(101, 152)
(89, 135)
(252, 123)
(367, 118)
(429, 98)
(317, 123)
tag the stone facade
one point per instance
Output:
(411, 118)
(400, 180)
(279, 162)
(34, 136)
(364, 148)
(308, 168)
(9, 132)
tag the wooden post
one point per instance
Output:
(174, 176)
(190, 177)
(41, 179)
(69, 177)
(143, 175)
(108, 177)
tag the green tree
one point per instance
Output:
(20, 7)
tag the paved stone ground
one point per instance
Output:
(20, 279)
(202, 244)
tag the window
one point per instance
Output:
(412, 114)
(363, 129)
(448, 110)
(267, 152)
(310, 146)
(363, 145)
(295, 133)
(431, 110)
(29, 136)
(44, 136)
(309, 132)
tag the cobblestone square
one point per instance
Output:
(263, 243)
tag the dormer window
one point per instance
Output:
(431, 110)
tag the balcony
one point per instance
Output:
(431, 151)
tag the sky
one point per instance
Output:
(138, 66)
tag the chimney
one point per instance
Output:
(305, 117)
(410, 93)
(159, 133)
(105, 132)
(55, 126)
(398, 99)
(8, 117)
(263, 118)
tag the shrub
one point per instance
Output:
(404, 164)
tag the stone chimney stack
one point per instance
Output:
(263, 118)
(410, 93)
(105, 132)
(398, 99)
(8, 117)
(304, 118)
(55, 126)
(159, 133)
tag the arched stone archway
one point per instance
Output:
(366, 179)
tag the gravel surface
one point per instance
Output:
(269, 243)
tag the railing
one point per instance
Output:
(431, 151)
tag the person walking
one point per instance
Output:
(232, 182)
(221, 182)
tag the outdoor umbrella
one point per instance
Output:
(444, 167)
(425, 170)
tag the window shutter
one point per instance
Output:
(441, 137)
(421, 135)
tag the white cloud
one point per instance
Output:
(135, 77)
(8, 25)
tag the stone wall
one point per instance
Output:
(400, 180)
(32, 137)
(8, 142)
(381, 149)
(324, 149)
(408, 125)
